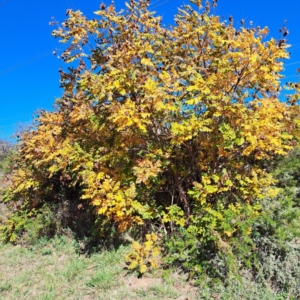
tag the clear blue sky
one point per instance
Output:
(29, 78)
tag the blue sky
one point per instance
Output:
(29, 78)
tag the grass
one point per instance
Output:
(54, 270)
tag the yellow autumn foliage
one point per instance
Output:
(154, 118)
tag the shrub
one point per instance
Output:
(264, 265)
(162, 129)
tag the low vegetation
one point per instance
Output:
(56, 270)
(170, 157)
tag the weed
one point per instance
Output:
(75, 268)
(5, 286)
(103, 279)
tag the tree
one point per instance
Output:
(161, 127)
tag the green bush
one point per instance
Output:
(266, 264)
(29, 226)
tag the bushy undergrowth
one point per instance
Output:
(267, 264)
(264, 265)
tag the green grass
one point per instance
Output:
(54, 270)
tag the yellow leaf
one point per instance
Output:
(143, 268)
(147, 62)
(228, 233)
